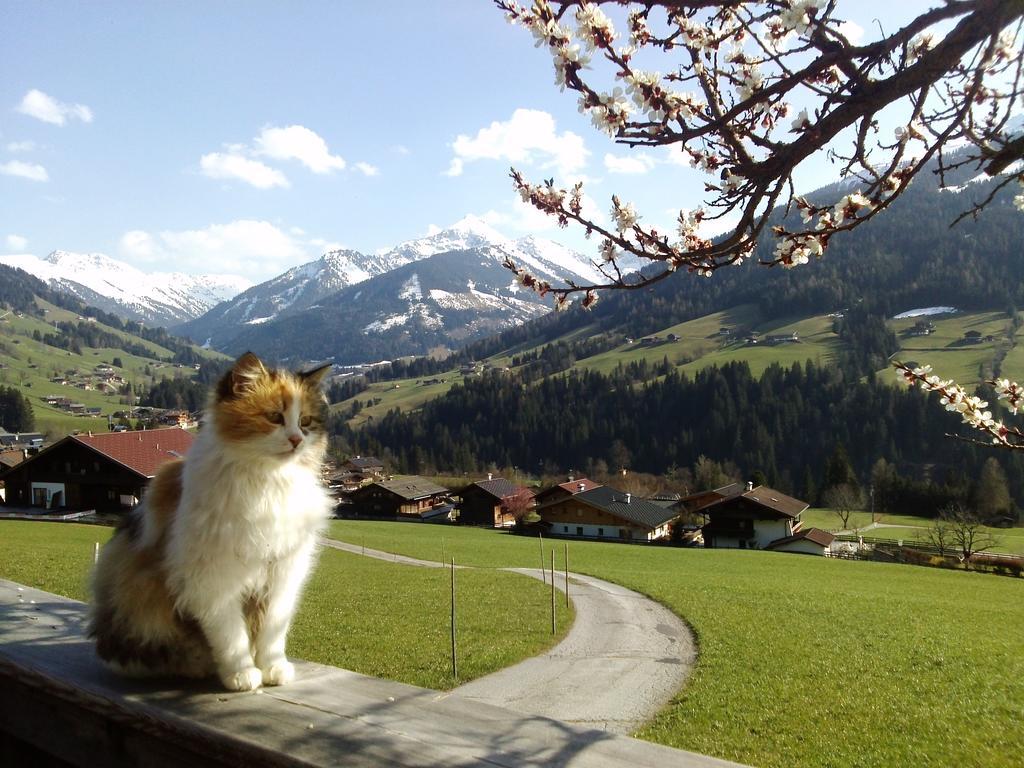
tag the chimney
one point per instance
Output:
(629, 497)
(572, 476)
(490, 476)
(582, 487)
(750, 485)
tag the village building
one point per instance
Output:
(760, 518)
(495, 502)
(10, 440)
(807, 541)
(403, 497)
(607, 513)
(365, 467)
(105, 472)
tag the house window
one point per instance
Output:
(600, 531)
(743, 543)
(579, 530)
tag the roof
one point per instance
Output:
(411, 487)
(11, 458)
(769, 498)
(499, 487)
(636, 510)
(365, 462)
(713, 495)
(814, 535)
(573, 486)
(142, 451)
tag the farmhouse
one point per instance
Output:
(106, 472)
(606, 513)
(20, 439)
(403, 496)
(760, 518)
(494, 502)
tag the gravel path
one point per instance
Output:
(623, 660)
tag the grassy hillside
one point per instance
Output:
(31, 364)
(701, 344)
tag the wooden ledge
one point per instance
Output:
(57, 700)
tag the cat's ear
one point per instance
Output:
(243, 374)
(315, 378)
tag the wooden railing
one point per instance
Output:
(60, 707)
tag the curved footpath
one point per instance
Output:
(623, 660)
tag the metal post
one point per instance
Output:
(554, 627)
(543, 570)
(96, 554)
(455, 662)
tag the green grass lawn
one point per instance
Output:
(805, 661)
(374, 617)
(944, 349)
(907, 527)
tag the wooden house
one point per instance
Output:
(494, 502)
(403, 496)
(606, 513)
(755, 518)
(807, 541)
(106, 472)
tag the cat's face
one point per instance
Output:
(271, 413)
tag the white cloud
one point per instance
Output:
(296, 142)
(219, 165)
(16, 147)
(528, 137)
(432, 229)
(401, 149)
(368, 170)
(46, 108)
(32, 171)
(17, 242)
(257, 249)
(628, 164)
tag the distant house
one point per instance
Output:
(606, 513)
(366, 467)
(565, 490)
(106, 471)
(972, 337)
(403, 496)
(758, 518)
(783, 338)
(20, 439)
(493, 502)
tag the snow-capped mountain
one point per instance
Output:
(446, 300)
(163, 298)
(297, 289)
(308, 286)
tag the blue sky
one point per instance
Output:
(249, 137)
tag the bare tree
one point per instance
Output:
(843, 500)
(968, 532)
(940, 536)
(736, 72)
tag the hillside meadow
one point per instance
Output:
(378, 618)
(804, 661)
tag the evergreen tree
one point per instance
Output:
(991, 496)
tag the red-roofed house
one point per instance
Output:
(106, 472)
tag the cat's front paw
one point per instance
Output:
(281, 672)
(247, 679)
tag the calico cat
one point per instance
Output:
(204, 576)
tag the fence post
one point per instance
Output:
(554, 628)
(455, 663)
(567, 574)
(543, 569)
(96, 554)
